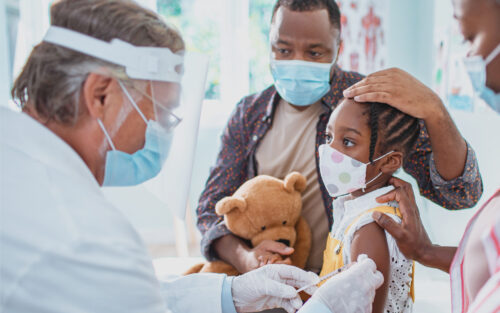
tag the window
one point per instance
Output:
(12, 17)
(235, 36)
(198, 23)
(260, 21)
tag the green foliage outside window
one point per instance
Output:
(202, 33)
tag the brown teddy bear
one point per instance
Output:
(265, 208)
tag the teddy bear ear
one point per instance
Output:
(295, 181)
(228, 204)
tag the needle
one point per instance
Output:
(325, 277)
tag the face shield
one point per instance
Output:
(164, 97)
(164, 90)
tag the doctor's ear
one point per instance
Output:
(392, 162)
(229, 204)
(96, 91)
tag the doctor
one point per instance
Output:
(474, 265)
(97, 97)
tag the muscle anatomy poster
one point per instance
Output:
(363, 35)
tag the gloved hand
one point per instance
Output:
(352, 291)
(271, 286)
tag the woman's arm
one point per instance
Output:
(438, 257)
(410, 235)
(370, 240)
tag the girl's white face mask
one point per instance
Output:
(342, 174)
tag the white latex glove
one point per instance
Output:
(352, 291)
(271, 286)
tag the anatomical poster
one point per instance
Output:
(364, 27)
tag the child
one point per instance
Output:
(365, 145)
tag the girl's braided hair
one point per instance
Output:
(395, 129)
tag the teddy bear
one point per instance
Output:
(265, 208)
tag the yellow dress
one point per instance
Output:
(401, 288)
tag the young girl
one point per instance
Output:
(365, 145)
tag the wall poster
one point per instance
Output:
(364, 27)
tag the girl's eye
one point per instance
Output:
(347, 142)
(328, 138)
(283, 51)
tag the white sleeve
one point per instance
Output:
(107, 277)
(89, 277)
(194, 293)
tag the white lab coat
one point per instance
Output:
(64, 247)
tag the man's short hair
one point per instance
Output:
(311, 5)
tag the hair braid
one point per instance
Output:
(395, 129)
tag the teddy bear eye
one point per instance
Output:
(284, 222)
(263, 228)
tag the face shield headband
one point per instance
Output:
(145, 63)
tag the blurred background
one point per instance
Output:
(420, 37)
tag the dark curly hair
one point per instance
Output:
(310, 5)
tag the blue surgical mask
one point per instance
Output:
(301, 83)
(476, 68)
(124, 169)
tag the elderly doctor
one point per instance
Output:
(97, 97)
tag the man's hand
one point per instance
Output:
(410, 235)
(271, 286)
(400, 90)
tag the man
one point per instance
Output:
(474, 266)
(279, 130)
(98, 96)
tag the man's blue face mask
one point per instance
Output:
(124, 169)
(301, 83)
(476, 68)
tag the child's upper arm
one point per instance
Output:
(370, 240)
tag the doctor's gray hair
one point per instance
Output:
(51, 80)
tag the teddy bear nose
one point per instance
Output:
(284, 241)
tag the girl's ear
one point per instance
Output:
(392, 163)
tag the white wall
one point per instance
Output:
(4, 58)
(410, 37)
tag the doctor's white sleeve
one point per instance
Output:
(205, 292)
(107, 277)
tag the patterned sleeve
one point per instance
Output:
(459, 193)
(227, 175)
